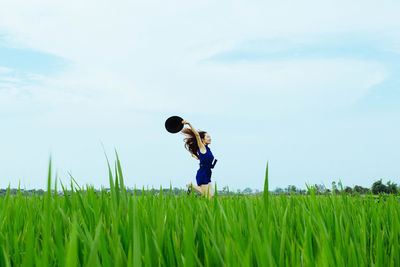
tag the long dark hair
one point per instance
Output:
(191, 142)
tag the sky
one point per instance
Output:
(311, 87)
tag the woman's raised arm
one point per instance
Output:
(200, 144)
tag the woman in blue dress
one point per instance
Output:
(197, 143)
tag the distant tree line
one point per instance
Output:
(377, 188)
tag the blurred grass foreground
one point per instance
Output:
(117, 228)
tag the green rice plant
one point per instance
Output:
(83, 227)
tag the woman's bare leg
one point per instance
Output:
(207, 189)
(195, 187)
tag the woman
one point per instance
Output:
(197, 144)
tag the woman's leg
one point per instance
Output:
(211, 189)
(195, 187)
(207, 189)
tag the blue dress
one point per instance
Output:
(203, 175)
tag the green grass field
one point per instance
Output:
(119, 229)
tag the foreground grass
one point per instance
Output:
(118, 229)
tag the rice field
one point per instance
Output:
(85, 228)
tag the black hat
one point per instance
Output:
(174, 124)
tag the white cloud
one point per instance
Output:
(5, 70)
(147, 54)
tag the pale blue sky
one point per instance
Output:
(29, 61)
(316, 85)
